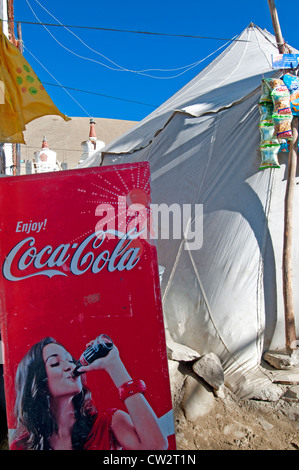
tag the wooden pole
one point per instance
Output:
(290, 331)
(276, 26)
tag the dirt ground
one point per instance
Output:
(234, 424)
(241, 425)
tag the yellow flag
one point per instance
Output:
(22, 95)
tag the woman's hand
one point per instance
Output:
(140, 428)
(103, 363)
(112, 364)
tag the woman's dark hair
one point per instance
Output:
(32, 406)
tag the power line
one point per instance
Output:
(118, 68)
(151, 33)
(100, 94)
(59, 84)
(37, 147)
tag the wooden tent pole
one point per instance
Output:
(276, 26)
(290, 331)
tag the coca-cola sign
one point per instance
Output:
(78, 260)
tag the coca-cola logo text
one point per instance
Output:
(25, 260)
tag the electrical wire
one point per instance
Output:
(66, 48)
(119, 67)
(83, 109)
(114, 63)
(58, 84)
(77, 37)
(100, 94)
(131, 31)
(185, 68)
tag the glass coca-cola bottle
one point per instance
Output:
(100, 347)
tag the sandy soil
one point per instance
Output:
(234, 424)
(241, 425)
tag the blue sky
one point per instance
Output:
(131, 95)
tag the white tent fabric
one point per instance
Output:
(203, 148)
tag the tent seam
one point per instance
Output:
(263, 51)
(187, 113)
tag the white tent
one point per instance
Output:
(203, 148)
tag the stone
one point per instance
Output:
(198, 399)
(209, 367)
(265, 424)
(220, 392)
(289, 377)
(280, 359)
(177, 380)
(295, 442)
(270, 393)
(180, 352)
(292, 394)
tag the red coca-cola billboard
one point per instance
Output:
(78, 261)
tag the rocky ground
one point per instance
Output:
(228, 423)
(245, 425)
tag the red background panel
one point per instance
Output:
(75, 308)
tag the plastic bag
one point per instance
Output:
(282, 105)
(292, 83)
(266, 110)
(284, 146)
(266, 128)
(295, 107)
(265, 91)
(276, 86)
(269, 155)
(275, 121)
(283, 126)
(280, 96)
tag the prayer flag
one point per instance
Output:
(22, 95)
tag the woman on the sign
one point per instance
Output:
(55, 412)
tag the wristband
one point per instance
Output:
(130, 388)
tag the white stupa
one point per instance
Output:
(92, 145)
(45, 159)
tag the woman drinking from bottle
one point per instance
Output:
(54, 409)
